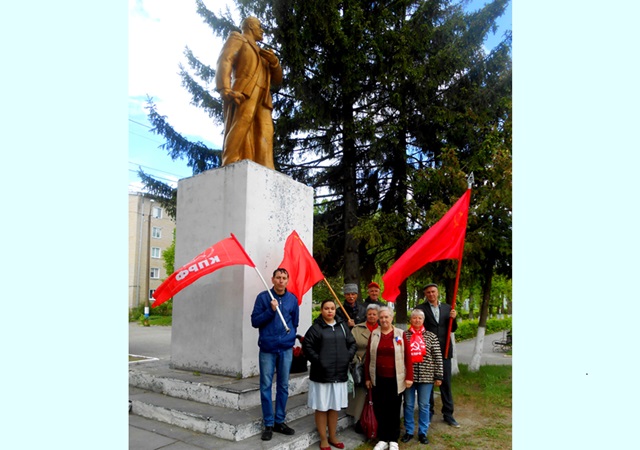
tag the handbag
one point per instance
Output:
(368, 420)
(356, 368)
(351, 389)
(298, 361)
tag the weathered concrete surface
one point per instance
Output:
(215, 390)
(212, 330)
(232, 425)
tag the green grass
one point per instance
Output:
(482, 402)
(157, 320)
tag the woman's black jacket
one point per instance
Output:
(329, 349)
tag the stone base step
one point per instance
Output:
(225, 423)
(215, 390)
(306, 436)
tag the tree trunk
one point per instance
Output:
(401, 305)
(484, 313)
(474, 366)
(351, 258)
(455, 370)
(450, 286)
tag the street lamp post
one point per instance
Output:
(146, 300)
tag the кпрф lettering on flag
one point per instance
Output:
(302, 267)
(227, 252)
(444, 240)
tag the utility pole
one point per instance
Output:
(148, 283)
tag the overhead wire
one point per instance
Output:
(152, 168)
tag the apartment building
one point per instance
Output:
(150, 233)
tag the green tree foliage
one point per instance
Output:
(169, 256)
(385, 108)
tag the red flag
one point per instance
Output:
(227, 252)
(303, 269)
(444, 240)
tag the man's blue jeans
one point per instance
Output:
(279, 363)
(424, 391)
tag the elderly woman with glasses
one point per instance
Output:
(427, 371)
(388, 371)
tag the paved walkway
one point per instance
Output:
(155, 342)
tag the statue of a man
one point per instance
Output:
(244, 75)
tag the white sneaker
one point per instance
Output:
(393, 446)
(382, 446)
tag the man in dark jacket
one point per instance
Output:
(356, 311)
(436, 320)
(373, 289)
(276, 349)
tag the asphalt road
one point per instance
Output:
(464, 351)
(155, 341)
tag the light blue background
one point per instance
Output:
(64, 260)
(576, 244)
(576, 227)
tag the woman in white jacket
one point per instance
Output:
(388, 371)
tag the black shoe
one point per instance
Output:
(283, 428)
(423, 439)
(452, 422)
(267, 434)
(406, 438)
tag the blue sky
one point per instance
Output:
(159, 30)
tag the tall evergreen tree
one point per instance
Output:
(376, 96)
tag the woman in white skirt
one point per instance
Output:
(329, 346)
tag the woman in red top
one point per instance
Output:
(388, 371)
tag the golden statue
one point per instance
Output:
(243, 78)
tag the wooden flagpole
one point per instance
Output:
(455, 289)
(336, 297)
(453, 306)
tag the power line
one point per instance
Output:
(153, 168)
(143, 124)
(157, 170)
(146, 137)
(171, 180)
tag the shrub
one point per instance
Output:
(468, 329)
(166, 309)
(137, 313)
(315, 311)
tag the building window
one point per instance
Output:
(155, 273)
(156, 232)
(155, 252)
(151, 291)
(156, 212)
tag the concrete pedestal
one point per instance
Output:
(212, 330)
